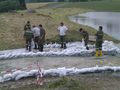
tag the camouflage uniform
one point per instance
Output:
(41, 39)
(99, 40)
(27, 26)
(28, 35)
(86, 38)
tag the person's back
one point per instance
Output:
(28, 34)
(42, 32)
(42, 38)
(99, 41)
(28, 25)
(36, 31)
(99, 35)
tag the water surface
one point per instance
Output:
(109, 20)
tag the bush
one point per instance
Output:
(7, 5)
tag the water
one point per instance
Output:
(109, 20)
(54, 62)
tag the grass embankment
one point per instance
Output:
(105, 5)
(11, 24)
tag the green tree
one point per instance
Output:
(7, 5)
(22, 4)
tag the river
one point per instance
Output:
(109, 20)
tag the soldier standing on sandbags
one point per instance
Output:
(27, 25)
(62, 32)
(41, 38)
(85, 36)
(36, 33)
(99, 40)
(28, 35)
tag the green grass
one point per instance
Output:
(63, 83)
(104, 81)
(66, 84)
(105, 5)
(11, 24)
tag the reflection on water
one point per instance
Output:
(109, 20)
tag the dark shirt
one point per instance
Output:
(27, 26)
(42, 32)
(99, 35)
(85, 35)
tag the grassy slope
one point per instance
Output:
(11, 24)
(97, 6)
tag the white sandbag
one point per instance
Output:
(32, 72)
(1, 79)
(70, 71)
(22, 75)
(61, 71)
(7, 77)
(73, 49)
(16, 73)
(51, 72)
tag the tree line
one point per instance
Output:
(7, 5)
(59, 0)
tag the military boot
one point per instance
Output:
(40, 47)
(64, 45)
(100, 52)
(27, 47)
(35, 46)
(87, 47)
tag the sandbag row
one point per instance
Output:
(58, 72)
(73, 49)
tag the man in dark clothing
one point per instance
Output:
(42, 38)
(85, 36)
(99, 40)
(28, 35)
(27, 25)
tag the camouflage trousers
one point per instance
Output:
(98, 45)
(28, 44)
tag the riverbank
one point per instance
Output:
(11, 24)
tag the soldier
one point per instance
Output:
(99, 40)
(42, 38)
(28, 35)
(85, 36)
(27, 25)
(36, 33)
(62, 32)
